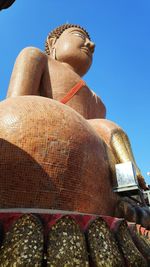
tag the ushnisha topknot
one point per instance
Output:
(59, 30)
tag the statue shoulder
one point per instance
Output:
(32, 53)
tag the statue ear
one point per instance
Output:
(51, 42)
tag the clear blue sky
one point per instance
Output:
(120, 73)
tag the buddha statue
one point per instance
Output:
(57, 149)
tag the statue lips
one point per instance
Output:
(87, 51)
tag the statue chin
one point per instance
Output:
(52, 158)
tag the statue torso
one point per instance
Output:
(60, 80)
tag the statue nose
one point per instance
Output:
(90, 45)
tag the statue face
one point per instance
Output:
(74, 47)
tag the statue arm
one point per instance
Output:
(27, 72)
(99, 106)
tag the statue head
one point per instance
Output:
(71, 44)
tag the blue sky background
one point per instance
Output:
(120, 73)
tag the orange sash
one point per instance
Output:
(72, 92)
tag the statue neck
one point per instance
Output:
(68, 66)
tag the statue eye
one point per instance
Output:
(80, 35)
